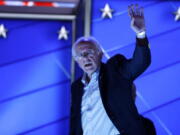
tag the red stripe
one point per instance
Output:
(2, 2)
(46, 4)
(25, 3)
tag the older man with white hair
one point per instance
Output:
(101, 100)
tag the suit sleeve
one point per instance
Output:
(135, 66)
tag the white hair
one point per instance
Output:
(88, 40)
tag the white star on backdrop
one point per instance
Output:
(3, 31)
(177, 13)
(107, 11)
(63, 33)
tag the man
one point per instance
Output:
(102, 102)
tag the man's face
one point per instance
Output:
(88, 57)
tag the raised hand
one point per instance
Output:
(136, 14)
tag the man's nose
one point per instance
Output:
(85, 59)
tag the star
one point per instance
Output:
(63, 33)
(177, 13)
(3, 31)
(107, 11)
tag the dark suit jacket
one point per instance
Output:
(148, 125)
(115, 83)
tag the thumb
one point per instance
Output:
(133, 26)
(132, 22)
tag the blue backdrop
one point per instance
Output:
(35, 78)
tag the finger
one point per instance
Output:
(130, 12)
(142, 11)
(132, 22)
(136, 9)
(133, 9)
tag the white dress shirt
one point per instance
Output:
(95, 120)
